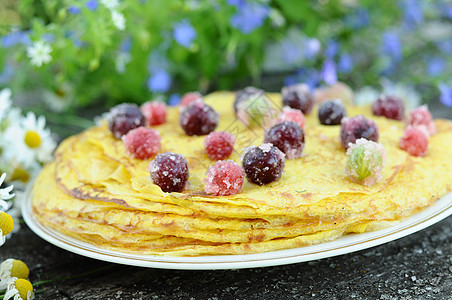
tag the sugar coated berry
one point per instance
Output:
(219, 145)
(290, 114)
(365, 162)
(256, 111)
(298, 96)
(332, 112)
(356, 128)
(142, 142)
(421, 116)
(189, 98)
(389, 107)
(123, 118)
(245, 94)
(224, 178)
(415, 141)
(154, 112)
(287, 137)
(263, 164)
(198, 118)
(169, 171)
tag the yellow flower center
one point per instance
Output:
(32, 139)
(6, 223)
(19, 269)
(24, 286)
(20, 174)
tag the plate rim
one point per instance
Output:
(345, 244)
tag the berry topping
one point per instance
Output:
(299, 97)
(123, 118)
(421, 116)
(263, 164)
(415, 141)
(154, 112)
(189, 98)
(169, 171)
(198, 118)
(290, 114)
(356, 128)
(365, 162)
(245, 94)
(287, 137)
(389, 107)
(219, 145)
(332, 112)
(224, 178)
(142, 142)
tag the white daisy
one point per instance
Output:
(59, 99)
(5, 102)
(118, 20)
(37, 137)
(12, 268)
(19, 289)
(39, 53)
(5, 193)
(6, 226)
(110, 4)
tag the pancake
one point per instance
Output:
(103, 196)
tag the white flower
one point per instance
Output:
(118, 20)
(60, 99)
(366, 96)
(39, 53)
(5, 193)
(38, 138)
(12, 268)
(6, 226)
(110, 4)
(122, 60)
(19, 289)
(5, 102)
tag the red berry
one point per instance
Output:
(288, 137)
(123, 118)
(224, 178)
(198, 118)
(389, 107)
(189, 98)
(219, 145)
(298, 96)
(154, 112)
(290, 114)
(263, 164)
(421, 116)
(142, 142)
(169, 171)
(415, 141)
(356, 128)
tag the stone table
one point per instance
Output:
(418, 266)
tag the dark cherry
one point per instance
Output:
(123, 118)
(287, 137)
(356, 128)
(263, 164)
(198, 118)
(332, 112)
(298, 96)
(389, 107)
(169, 171)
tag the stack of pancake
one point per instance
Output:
(94, 191)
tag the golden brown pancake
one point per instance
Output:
(103, 196)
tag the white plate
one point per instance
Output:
(345, 244)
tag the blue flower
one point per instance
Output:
(332, 48)
(358, 18)
(345, 64)
(6, 74)
(92, 5)
(446, 94)
(184, 33)
(249, 16)
(236, 2)
(329, 74)
(392, 45)
(412, 12)
(445, 46)
(174, 99)
(15, 38)
(435, 66)
(74, 10)
(312, 48)
(159, 81)
(126, 44)
(309, 76)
